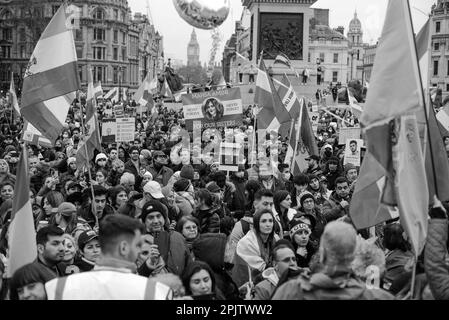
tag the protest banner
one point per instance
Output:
(108, 130)
(220, 108)
(349, 133)
(315, 119)
(125, 129)
(353, 152)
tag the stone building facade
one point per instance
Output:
(119, 49)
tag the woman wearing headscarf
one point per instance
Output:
(253, 252)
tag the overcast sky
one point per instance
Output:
(176, 31)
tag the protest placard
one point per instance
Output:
(125, 129)
(229, 156)
(108, 131)
(219, 108)
(348, 133)
(353, 152)
(314, 118)
(119, 111)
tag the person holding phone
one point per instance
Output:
(170, 243)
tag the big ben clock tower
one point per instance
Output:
(193, 51)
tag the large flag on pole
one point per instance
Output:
(391, 95)
(22, 235)
(13, 96)
(91, 139)
(98, 90)
(51, 78)
(112, 94)
(396, 68)
(356, 109)
(273, 116)
(410, 182)
(144, 94)
(284, 60)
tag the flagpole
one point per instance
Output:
(298, 135)
(412, 287)
(87, 164)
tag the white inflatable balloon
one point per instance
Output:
(203, 14)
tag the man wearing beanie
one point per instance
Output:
(336, 280)
(169, 243)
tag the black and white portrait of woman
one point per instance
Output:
(213, 109)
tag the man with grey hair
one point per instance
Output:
(335, 280)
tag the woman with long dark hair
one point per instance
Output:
(50, 204)
(255, 248)
(199, 282)
(282, 211)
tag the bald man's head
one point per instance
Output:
(338, 244)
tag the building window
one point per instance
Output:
(99, 34)
(38, 12)
(99, 14)
(54, 8)
(116, 14)
(22, 35)
(5, 52)
(123, 37)
(7, 34)
(358, 54)
(436, 46)
(335, 76)
(78, 34)
(80, 72)
(447, 86)
(99, 74)
(335, 57)
(435, 68)
(123, 75)
(448, 67)
(322, 56)
(99, 53)
(115, 54)
(438, 27)
(115, 35)
(7, 15)
(124, 55)
(115, 75)
(308, 58)
(22, 51)
(5, 72)
(79, 52)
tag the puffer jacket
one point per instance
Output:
(434, 258)
(341, 285)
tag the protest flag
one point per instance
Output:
(51, 78)
(91, 140)
(22, 235)
(13, 96)
(284, 60)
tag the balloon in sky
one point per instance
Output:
(203, 14)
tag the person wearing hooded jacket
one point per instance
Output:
(170, 244)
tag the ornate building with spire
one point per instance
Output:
(193, 51)
(356, 49)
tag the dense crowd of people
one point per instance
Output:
(156, 225)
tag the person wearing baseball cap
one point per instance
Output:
(89, 250)
(161, 173)
(313, 165)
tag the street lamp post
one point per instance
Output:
(120, 84)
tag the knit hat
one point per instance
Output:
(187, 172)
(303, 217)
(148, 174)
(100, 156)
(71, 160)
(145, 153)
(153, 206)
(9, 148)
(327, 146)
(298, 225)
(66, 209)
(153, 188)
(305, 196)
(181, 185)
